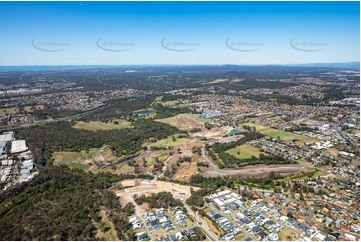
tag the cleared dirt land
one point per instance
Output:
(147, 188)
(215, 133)
(256, 171)
(94, 126)
(184, 121)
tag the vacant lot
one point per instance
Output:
(185, 171)
(15, 110)
(69, 156)
(184, 121)
(244, 152)
(287, 234)
(141, 188)
(94, 126)
(4, 111)
(170, 141)
(32, 108)
(283, 135)
(313, 173)
(353, 131)
(215, 81)
(92, 159)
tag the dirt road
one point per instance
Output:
(256, 171)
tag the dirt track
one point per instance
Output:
(256, 171)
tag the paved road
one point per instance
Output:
(344, 134)
(202, 223)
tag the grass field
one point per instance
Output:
(284, 135)
(72, 165)
(122, 166)
(4, 111)
(164, 143)
(30, 108)
(171, 103)
(240, 236)
(313, 173)
(245, 152)
(15, 110)
(150, 161)
(185, 121)
(67, 156)
(353, 131)
(94, 126)
(83, 158)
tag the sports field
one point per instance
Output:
(284, 135)
(244, 152)
(94, 126)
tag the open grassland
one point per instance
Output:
(170, 103)
(150, 161)
(353, 131)
(244, 152)
(73, 164)
(94, 126)
(283, 135)
(185, 121)
(15, 110)
(123, 167)
(84, 159)
(5, 111)
(169, 141)
(32, 108)
(75, 156)
(313, 173)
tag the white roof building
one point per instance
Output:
(18, 146)
(320, 236)
(7, 136)
(218, 202)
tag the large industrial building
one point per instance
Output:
(18, 146)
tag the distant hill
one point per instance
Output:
(186, 68)
(345, 65)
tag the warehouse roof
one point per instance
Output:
(18, 146)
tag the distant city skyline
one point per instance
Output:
(179, 33)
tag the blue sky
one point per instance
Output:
(83, 33)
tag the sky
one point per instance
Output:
(137, 33)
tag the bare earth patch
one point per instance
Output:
(184, 121)
(256, 171)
